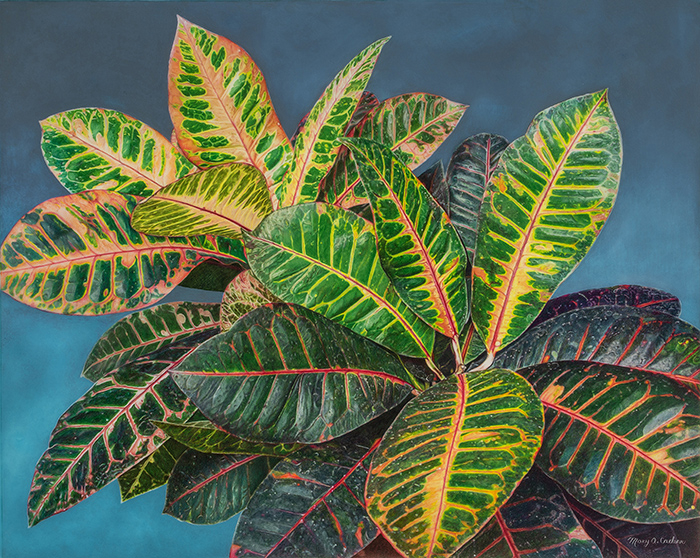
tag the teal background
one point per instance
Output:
(507, 59)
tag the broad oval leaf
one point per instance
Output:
(152, 472)
(243, 294)
(220, 201)
(546, 202)
(91, 148)
(286, 374)
(418, 247)
(625, 442)
(325, 258)
(210, 488)
(316, 146)
(147, 331)
(78, 254)
(468, 175)
(451, 458)
(220, 106)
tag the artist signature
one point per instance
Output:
(653, 541)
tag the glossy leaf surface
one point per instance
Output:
(451, 458)
(147, 331)
(316, 145)
(325, 258)
(625, 442)
(468, 175)
(243, 294)
(220, 106)
(418, 247)
(208, 488)
(285, 374)
(152, 471)
(90, 149)
(78, 254)
(220, 201)
(546, 202)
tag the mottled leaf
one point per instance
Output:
(243, 294)
(152, 471)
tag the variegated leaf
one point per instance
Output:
(90, 148)
(152, 472)
(243, 294)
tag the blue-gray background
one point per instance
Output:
(507, 59)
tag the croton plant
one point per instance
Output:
(386, 359)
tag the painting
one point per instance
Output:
(500, 63)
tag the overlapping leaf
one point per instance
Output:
(211, 275)
(220, 201)
(92, 148)
(243, 294)
(452, 457)
(316, 145)
(625, 442)
(210, 488)
(152, 471)
(325, 258)
(220, 106)
(147, 331)
(468, 175)
(434, 180)
(78, 254)
(418, 247)
(545, 204)
(285, 374)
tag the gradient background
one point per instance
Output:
(507, 59)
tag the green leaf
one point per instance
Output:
(220, 106)
(78, 254)
(208, 488)
(210, 275)
(220, 201)
(546, 202)
(152, 471)
(243, 294)
(434, 180)
(622, 441)
(285, 374)
(92, 148)
(147, 331)
(418, 247)
(317, 145)
(325, 258)
(451, 459)
(468, 174)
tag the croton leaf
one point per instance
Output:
(109, 430)
(536, 521)
(623, 441)
(325, 258)
(92, 148)
(451, 458)
(316, 145)
(243, 294)
(418, 247)
(220, 106)
(545, 204)
(152, 471)
(220, 201)
(468, 175)
(630, 337)
(285, 374)
(434, 180)
(78, 254)
(210, 488)
(147, 331)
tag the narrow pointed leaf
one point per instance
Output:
(452, 457)
(220, 106)
(243, 294)
(626, 336)
(624, 442)
(317, 145)
(220, 201)
(147, 331)
(152, 472)
(90, 149)
(434, 180)
(78, 254)
(536, 522)
(207, 488)
(546, 202)
(325, 258)
(418, 247)
(468, 174)
(286, 374)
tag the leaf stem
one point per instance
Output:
(457, 350)
(435, 369)
(484, 365)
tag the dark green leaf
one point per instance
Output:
(434, 180)
(211, 275)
